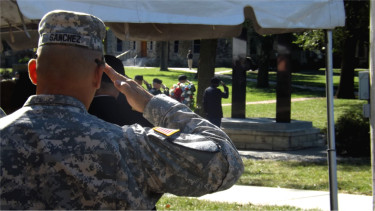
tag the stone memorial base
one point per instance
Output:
(267, 134)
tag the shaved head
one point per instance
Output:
(67, 70)
(60, 61)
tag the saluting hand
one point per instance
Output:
(136, 95)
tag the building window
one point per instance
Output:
(175, 47)
(134, 45)
(119, 45)
(151, 45)
(197, 46)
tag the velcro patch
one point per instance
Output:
(165, 131)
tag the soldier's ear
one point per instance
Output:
(32, 71)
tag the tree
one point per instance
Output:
(356, 28)
(164, 56)
(206, 70)
(346, 40)
(264, 61)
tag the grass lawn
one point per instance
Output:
(314, 78)
(253, 94)
(186, 203)
(314, 110)
(353, 176)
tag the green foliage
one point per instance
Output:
(24, 60)
(310, 40)
(6, 73)
(353, 134)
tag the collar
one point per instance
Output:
(55, 100)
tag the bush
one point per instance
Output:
(352, 132)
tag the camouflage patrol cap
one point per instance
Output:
(71, 28)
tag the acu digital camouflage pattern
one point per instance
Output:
(54, 155)
(71, 28)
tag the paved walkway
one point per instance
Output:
(304, 199)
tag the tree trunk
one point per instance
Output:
(240, 66)
(164, 56)
(346, 87)
(264, 62)
(206, 67)
(284, 77)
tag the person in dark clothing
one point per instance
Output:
(112, 106)
(23, 89)
(139, 79)
(104, 105)
(212, 101)
(157, 85)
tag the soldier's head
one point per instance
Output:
(182, 78)
(215, 81)
(139, 79)
(156, 83)
(107, 87)
(70, 54)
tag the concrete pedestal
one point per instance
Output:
(266, 134)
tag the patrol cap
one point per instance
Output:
(215, 80)
(71, 28)
(138, 77)
(182, 77)
(116, 64)
(158, 81)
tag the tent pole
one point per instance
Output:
(372, 96)
(331, 125)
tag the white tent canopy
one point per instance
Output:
(183, 19)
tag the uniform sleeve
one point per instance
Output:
(197, 160)
(148, 86)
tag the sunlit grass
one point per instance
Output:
(313, 110)
(253, 94)
(353, 176)
(186, 203)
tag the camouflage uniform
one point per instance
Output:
(54, 155)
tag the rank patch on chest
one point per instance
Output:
(165, 131)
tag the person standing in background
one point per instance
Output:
(157, 85)
(139, 79)
(111, 105)
(190, 59)
(212, 101)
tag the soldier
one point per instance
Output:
(157, 85)
(212, 101)
(54, 155)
